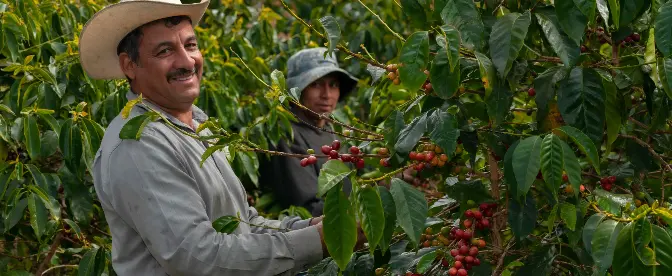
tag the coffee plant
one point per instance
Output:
(486, 137)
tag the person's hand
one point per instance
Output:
(325, 251)
(316, 220)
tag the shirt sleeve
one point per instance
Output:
(153, 193)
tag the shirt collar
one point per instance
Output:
(198, 115)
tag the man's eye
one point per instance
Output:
(163, 51)
(192, 45)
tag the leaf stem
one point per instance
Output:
(387, 175)
(384, 24)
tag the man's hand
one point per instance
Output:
(325, 251)
(316, 220)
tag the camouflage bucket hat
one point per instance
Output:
(308, 65)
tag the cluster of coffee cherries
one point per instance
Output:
(480, 216)
(332, 151)
(428, 156)
(608, 182)
(393, 74)
(631, 39)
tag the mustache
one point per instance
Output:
(181, 72)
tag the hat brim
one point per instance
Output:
(102, 34)
(347, 85)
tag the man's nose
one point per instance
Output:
(184, 59)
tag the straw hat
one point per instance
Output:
(102, 34)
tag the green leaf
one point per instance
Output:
(333, 31)
(226, 224)
(603, 9)
(12, 45)
(509, 174)
(565, 47)
(332, 173)
(51, 121)
(411, 134)
(394, 124)
(584, 143)
(568, 215)
(425, 262)
(414, 12)
(444, 131)
(340, 227)
(445, 80)
(663, 29)
(48, 202)
(581, 102)
(522, 216)
(625, 260)
(451, 37)
(571, 166)
(463, 15)
(615, 8)
(32, 137)
(552, 217)
(70, 142)
(463, 191)
(499, 103)
(488, 74)
(551, 161)
(613, 108)
(15, 214)
(604, 242)
(665, 72)
(663, 246)
(133, 127)
(414, 58)
(526, 163)
(7, 109)
(390, 217)
(589, 230)
(278, 79)
(38, 215)
(75, 227)
(508, 34)
(540, 263)
(630, 10)
(411, 207)
(372, 215)
(572, 20)
(93, 262)
(641, 236)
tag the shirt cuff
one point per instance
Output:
(306, 245)
(300, 224)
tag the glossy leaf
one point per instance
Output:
(333, 32)
(572, 20)
(445, 80)
(581, 102)
(226, 224)
(663, 29)
(604, 243)
(526, 162)
(463, 15)
(92, 263)
(625, 258)
(499, 103)
(662, 243)
(70, 142)
(51, 121)
(32, 137)
(571, 166)
(394, 124)
(584, 143)
(522, 216)
(665, 71)
(565, 47)
(332, 173)
(38, 215)
(603, 9)
(509, 174)
(630, 10)
(411, 134)
(74, 227)
(340, 227)
(544, 86)
(411, 208)
(589, 230)
(568, 215)
(452, 40)
(508, 34)
(133, 128)
(444, 131)
(414, 57)
(414, 11)
(551, 161)
(371, 214)
(613, 107)
(390, 218)
(641, 236)
(615, 8)
(426, 261)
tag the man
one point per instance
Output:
(321, 84)
(158, 200)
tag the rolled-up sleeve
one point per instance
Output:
(153, 192)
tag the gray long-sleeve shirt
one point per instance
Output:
(160, 203)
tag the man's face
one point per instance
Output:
(170, 65)
(321, 96)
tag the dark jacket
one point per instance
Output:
(291, 183)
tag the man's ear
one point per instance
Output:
(127, 65)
